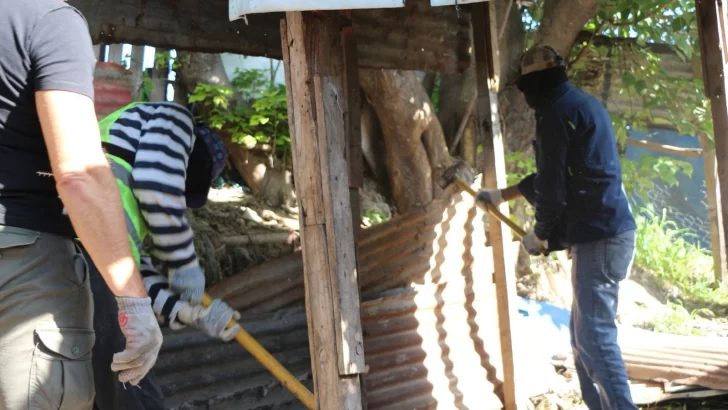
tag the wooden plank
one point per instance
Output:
(316, 98)
(494, 175)
(352, 119)
(711, 31)
(340, 234)
(666, 149)
(114, 55)
(353, 109)
(715, 216)
(137, 70)
(304, 142)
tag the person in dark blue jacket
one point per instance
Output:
(581, 206)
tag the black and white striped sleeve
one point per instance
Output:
(159, 171)
(165, 303)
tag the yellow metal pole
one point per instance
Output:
(270, 363)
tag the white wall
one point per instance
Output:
(231, 61)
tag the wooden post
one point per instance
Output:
(313, 62)
(715, 216)
(494, 175)
(712, 34)
(115, 54)
(353, 124)
(137, 70)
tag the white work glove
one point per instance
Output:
(189, 283)
(212, 320)
(143, 339)
(533, 245)
(494, 196)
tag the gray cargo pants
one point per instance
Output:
(46, 323)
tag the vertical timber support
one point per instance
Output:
(313, 61)
(712, 33)
(494, 175)
(137, 70)
(353, 124)
(715, 216)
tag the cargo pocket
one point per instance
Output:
(61, 375)
(15, 239)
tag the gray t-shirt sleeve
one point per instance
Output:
(61, 52)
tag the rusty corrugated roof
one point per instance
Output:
(431, 346)
(443, 239)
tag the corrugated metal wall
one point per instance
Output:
(433, 344)
(434, 243)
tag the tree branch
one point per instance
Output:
(588, 44)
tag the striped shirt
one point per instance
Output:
(161, 135)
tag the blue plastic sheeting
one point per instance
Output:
(545, 324)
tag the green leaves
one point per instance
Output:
(262, 119)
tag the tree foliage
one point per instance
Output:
(260, 121)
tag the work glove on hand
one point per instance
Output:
(494, 196)
(212, 319)
(189, 283)
(533, 245)
(143, 339)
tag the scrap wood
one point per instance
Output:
(261, 239)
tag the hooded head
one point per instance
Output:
(542, 70)
(206, 162)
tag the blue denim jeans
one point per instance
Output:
(597, 269)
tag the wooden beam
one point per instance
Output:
(137, 70)
(494, 175)
(416, 37)
(352, 119)
(666, 149)
(313, 61)
(712, 34)
(715, 216)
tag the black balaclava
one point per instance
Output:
(538, 87)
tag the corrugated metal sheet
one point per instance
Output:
(431, 346)
(435, 243)
(663, 357)
(112, 88)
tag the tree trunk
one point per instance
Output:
(414, 141)
(273, 185)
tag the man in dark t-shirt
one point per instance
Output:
(55, 184)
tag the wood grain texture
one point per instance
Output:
(494, 175)
(314, 64)
(711, 31)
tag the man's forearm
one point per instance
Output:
(511, 193)
(88, 188)
(93, 203)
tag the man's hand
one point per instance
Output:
(212, 319)
(494, 196)
(143, 339)
(189, 283)
(533, 245)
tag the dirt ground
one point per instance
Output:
(643, 303)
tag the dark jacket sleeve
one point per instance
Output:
(527, 188)
(550, 180)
